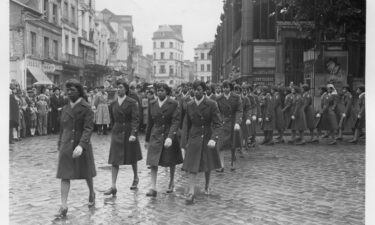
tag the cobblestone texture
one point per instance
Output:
(273, 185)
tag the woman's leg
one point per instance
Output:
(90, 185)
(115, 169)
(172, 170)
(207, 180)
(135, 171)
(192, 180)
(154, 172)
(65, 186)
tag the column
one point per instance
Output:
(247, 38)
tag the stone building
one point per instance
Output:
(203, 61)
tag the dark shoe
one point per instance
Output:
(324, 136)
(189, 199)
(62, 212)
(134, 185)
(91, 200)
(270, 143)
(300, 143)
(111, 191)
(170, 189)
(207, 191)
(291, 141)
(220, 170)
(332, 142)
(151, 193)
(353, 141)
(339, 138)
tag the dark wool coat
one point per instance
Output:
(299, 123)
(361, 122)
(267, 111)
(125, 123)
(202, 123)
(253, 112)
(163, 123)
(309, 110)
(288, 110)
(245, 116)
(76, 126)
(55, 103)
(231, 111)
(328, 119)
(279, 115)
(350, 118)
(212, 97)
(14, 111)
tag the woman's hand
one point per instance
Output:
(211, 143)
(77, 151)
(168, 143)
(132, 138)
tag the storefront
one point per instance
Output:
(35, 74)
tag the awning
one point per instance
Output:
(39, 75)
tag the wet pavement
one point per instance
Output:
(281, 184)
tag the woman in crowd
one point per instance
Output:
(279, 116)
(76, 159)
(42, 107)
(161, 139)
(125, 148)
(308, 109)
(267, 118)
(348, 115)
(361, 115)
(102, 118)
(230, 108)
(14, 114)
(298, 123)
(253, 112)
(202, 124)
(287, 110)
(246, 116)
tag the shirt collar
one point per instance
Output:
(184, 95)
(362, 94)
(226, 96)
(121, 99)
(198, 102)
(162, 102)
(72, 104)
(209, 96)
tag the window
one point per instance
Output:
(73, 17)
(45, 9)
(66, 44)
(66, 15)
(208, 56)
(208, 68)
(73, 46)
(170, 70)
(171, 44)
(202, 67)
(162, 69)
(208, 79)
(56, 50)
(202, 55)
(171, 55)
(161, 55)
(264, 25)
(162, 44)
(46, 47)
(33, 43)
(54, 13)
(154, 55)
(154, 44)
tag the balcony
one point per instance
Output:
(84, 34)
(72, 60)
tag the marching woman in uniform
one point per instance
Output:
(348, 115)
(298, 116)
(309, 112)
(253, 112)
(279, 116)
(125, 148)
(246, 116)
(210, 93)
(230, 107)
(161, 139)
(267, 118)
(202, 124)
(361, 115)
(76, 159)
(287, 110)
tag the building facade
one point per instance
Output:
(35, 41)
(203, 61)
(168, 54)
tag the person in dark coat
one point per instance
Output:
(125, 148)
(202, 124)
(309, 112)
(161, 136)
(287, 110)
(267, 118)
(361, 115)
(184, 98)
(56, 104)
(230, 107)
(298, 117)
(210, 93)
(14, 115)
(246, 117)
(253, 112)
(348, 116)
(76, 159)
(327, 115)
(279, 115)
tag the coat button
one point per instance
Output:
(72, 141)
(202, 126)
(202, 136)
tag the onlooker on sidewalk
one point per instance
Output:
(42, 107)
(33, 118)
(13, 113)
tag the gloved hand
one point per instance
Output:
(248, 122)
(254, 118)
(260, 120)
(132, 138)
(168, 143)
(318, 115)
(77, 151)
(293, 117)
(211, 143)
(237, 126)
(267, 119)
(344, 115)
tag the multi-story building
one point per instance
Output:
(168, 54)
(142, 64)
(203, 61)
(188, 71)
(121, 42)
(35, 41)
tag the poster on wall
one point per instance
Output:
(336, 67)
(264, 56)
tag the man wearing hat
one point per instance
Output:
(56, 104)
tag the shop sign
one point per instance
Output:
(33, 63)
(264, 56)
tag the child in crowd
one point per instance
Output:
(33, 118)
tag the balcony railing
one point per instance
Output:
(72, 59)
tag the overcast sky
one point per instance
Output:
(199, 19)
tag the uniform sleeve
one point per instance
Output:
(150, 124)
(239, 110)
(135, 119)
(217, 122)
(246, 108)
(186, 128)
(288, 104)
(362, 108)
(349, 103)
(175, 122)
(299, 104)
(88, 126)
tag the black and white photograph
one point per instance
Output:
(188, 112)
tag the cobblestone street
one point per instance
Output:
(281, 184)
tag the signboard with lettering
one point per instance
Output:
(264, 56)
